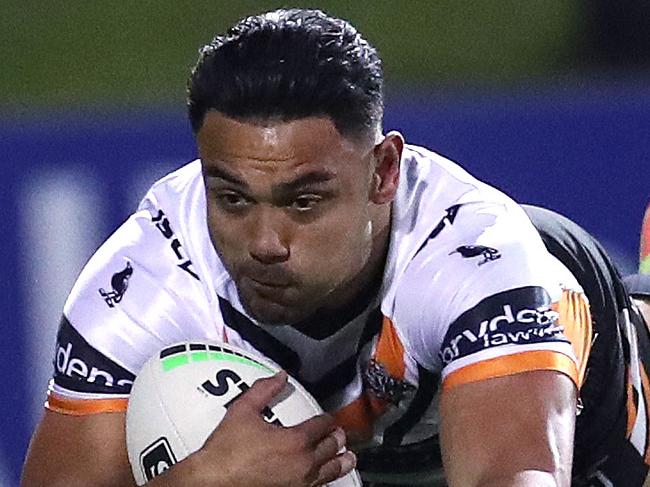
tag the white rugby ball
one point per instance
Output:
(181, 395)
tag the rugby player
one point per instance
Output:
(438, 322)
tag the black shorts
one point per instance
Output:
(613, 396)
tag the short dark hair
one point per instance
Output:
(290, 64)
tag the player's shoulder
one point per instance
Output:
(467, 245)
(147, 284)
(479, 247)
(177, 194)
(447, 221)
(153, 241)
(435, 192)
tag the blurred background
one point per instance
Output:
(548, 100)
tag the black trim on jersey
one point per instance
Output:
(448, 219)
(81, 368)
(263, 341)
(427, 387)
(516, 316)
(333, 381)
(638, 285)
(341, 375)
(324, 324)
(373, 327)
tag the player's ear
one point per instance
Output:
(387, 154)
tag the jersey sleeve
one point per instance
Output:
(484, 298)
(137, 294)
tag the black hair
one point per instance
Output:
(290, 64)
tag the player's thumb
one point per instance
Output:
(264, 390)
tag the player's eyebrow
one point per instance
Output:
(310, 178)
(313, 177)
(217, 172)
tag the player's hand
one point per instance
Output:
(246, 451)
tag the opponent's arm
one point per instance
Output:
(513, 431)
(243, 451)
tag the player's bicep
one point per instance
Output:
(78, 451)
(513, 430)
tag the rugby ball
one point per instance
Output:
(181, 394)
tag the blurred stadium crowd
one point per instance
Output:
(546, 100)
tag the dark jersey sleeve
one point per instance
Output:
(638, 285)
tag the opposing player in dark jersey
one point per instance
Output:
(419, 305)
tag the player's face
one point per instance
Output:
(295, 212)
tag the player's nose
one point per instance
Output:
(268, 237)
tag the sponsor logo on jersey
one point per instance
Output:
(519, 316)
(157, 458)
(67, 364)
(488, 254)
(383, 385)
(162, 224)
(119, 283)
(81, 368)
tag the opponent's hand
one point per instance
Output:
(246, 451)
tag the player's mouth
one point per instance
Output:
(267, 289)
(264, 284)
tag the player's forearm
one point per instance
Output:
(529, 478)
(188, 473)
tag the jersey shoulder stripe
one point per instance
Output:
(85, 381)
(79, 367)
(514, 363)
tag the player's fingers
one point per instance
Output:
(263, 391)
(329, 446)
(337, 467)
(316, 428)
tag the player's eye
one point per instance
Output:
(305, 202)
(232, 201)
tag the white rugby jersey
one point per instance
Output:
(469, 292)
